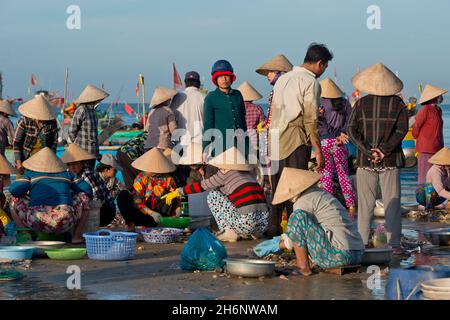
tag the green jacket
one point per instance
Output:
(223, 111)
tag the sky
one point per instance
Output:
(120, 39)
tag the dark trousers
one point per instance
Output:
(129, 173)
(298, 159)
(107, 215)
(131, 213)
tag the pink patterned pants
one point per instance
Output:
(336, 160)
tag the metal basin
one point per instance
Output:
(41, 246)
(377, 256)
(410, 158)
(251, 268)
(439, 237)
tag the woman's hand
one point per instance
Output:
(344, 138)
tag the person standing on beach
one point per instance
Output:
(224, 109)
(188, 109)
(254, 112)
(377, 126)
(83, 130)
(293, 123)
(36, 129)
(161, 122)
(428, 129)
(333, 117)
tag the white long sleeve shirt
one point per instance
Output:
(188, 109)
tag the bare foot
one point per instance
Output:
(305, 271)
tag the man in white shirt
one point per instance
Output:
(293, 129)
(188, 108)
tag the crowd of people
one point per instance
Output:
(254, 166)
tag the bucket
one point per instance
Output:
(93, 219)
(198, 207)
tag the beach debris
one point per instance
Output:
(283, 277)
(197, 271)
(218, 270)
(13, 264)
(140, 248)
(215, 276)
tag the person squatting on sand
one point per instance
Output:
(319, 230)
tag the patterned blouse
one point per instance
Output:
(147, 191)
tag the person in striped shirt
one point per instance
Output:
(236, 200)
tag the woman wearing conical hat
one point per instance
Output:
(333, 116)
(236, 200)
(6, 126)
(273, 70)
(436, 189)
(78, 161)
(43, 196)
(143, 206)
(254, 114)
(319, 229)
(36, 129)
(428, 128)
(377, 126)
(161, 122)
(83, 130)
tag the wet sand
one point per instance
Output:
(154, 274)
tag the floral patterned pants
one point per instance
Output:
(336, 159)
(50, 219)
(227, 217)
(308, 234)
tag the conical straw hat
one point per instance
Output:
(5, 166)
(231, 159)
(430, 93)
(248, 92)
(154, 161)
(293, 182)
(442, 157)
(279, 63)
(161, 95)
(193, 154)
(91, 94)
(45, 161)
(37, 108)
(6, 107)
(330, 90)
(377, 80)
(74, 153)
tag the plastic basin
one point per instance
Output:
(175, 222)
(66, 253)
(16, 252)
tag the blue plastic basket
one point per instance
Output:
(107, 245)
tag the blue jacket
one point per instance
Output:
(50, 189)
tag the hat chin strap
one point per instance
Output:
(96, 105)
